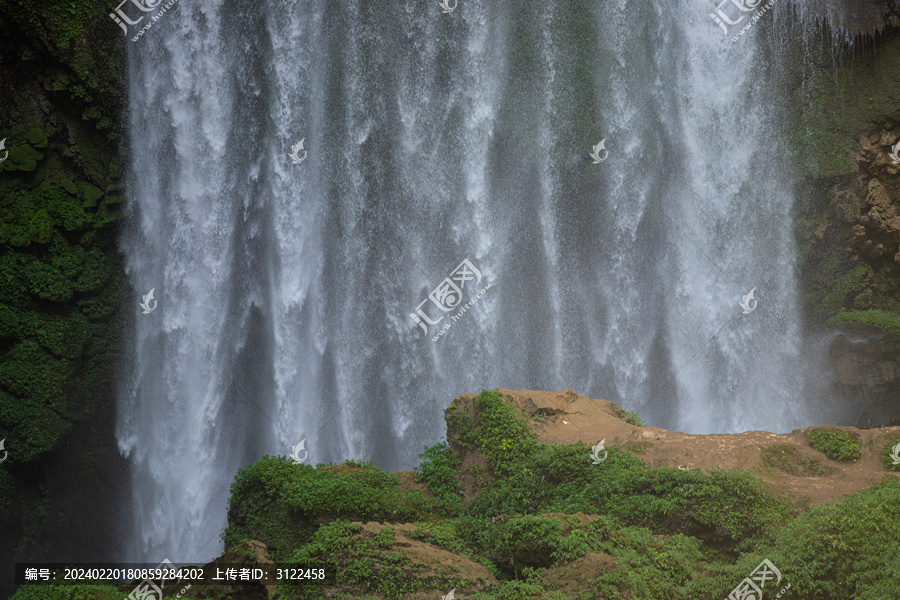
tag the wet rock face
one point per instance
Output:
(879, 234)
(856, 16)
(867, 366)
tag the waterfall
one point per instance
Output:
(285, 291)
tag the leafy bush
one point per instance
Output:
(849, 549)
(836, 444)
(438, 469)
(629, 417)
(725, 506)
(887, 452)
(367, 562)
(280, 503)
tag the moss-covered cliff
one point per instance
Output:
(61, 278)
(843, 121)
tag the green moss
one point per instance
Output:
(836, 444)
(886, 321)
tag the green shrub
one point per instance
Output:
(848, 549)
(724, 506)
(836, 444)
(368, 563)
(437, 470)
(280, 503)
(887, 452)
(629, 417)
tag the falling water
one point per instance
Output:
(285, 290)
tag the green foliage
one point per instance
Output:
(437, 470)
(368, 562)
(68, 592)
(787, 458)
(666, 534)
(849, 549)
(504, 439)
(724, 506)
(887, 450)
(884, 320)
(280, 503)
(846, 289)
(80, 35)
(629, 417)
(836, 444)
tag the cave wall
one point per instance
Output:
(61, 282)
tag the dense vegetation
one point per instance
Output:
(657, 533)
(836, 444)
